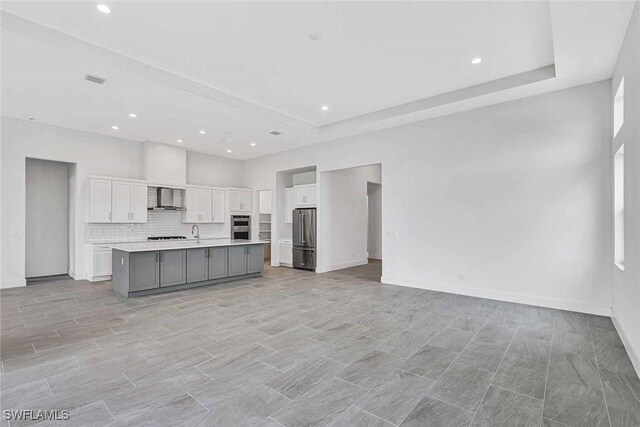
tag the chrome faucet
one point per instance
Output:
(198, 233)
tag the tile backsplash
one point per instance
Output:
(159, 223)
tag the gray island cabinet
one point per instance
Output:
(148, 268)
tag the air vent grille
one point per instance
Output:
(95, 79)
(275, 132)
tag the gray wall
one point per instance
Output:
(47, 218)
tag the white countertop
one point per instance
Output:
(142, 240)
(181, 244)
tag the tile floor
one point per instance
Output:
(300, 349)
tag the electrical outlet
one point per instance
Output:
(461, 277)
(392, 234)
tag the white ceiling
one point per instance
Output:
(242, 69)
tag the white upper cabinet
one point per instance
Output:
(206, 207)
(120, 201)
(199, 205)
(240, 201)
(289, 205)
(218, 209)
(139, 195)
(305, 195)
(117, 201)
(99, 200)
(128, 202)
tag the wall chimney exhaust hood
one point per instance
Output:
(165, 201)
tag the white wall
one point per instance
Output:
(513, 196)
(205, 169)
(93, 155)
(47, 218)
(343, 217)
(626, 286)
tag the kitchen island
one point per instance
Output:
(156, 267)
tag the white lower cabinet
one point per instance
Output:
(99, 262)
(286, 253)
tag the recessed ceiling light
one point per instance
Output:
(315, 37)
(325, 108)
(253, 144)
(476, 60)
(114, 127)
(179, 141)
(275, 133)
(103, 8)
(30, 118)
(133, 115)
(228, 151)
(202, 132)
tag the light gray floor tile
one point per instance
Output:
(574, 368)
(146, 356)
(482, 355)
(506, 408)
(574, 404)
(623, 404)
(522, 376)
(296, 381)
(433, 412)
(319, 405)
(463, 386)
(354, 416)
(452, 339)
(394, 399)
(429, 362)
(371, 369)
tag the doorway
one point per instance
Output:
(374, 226)
(47, 218)
(264, 218)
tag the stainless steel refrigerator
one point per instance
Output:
(304, 239)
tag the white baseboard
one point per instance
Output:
(341, 266)
(13, 283)
(504, 296)
(99, 278)
(633, 355)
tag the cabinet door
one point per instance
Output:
(310, 196)
(217, 201)
(192, 205)
(121, 201)
(234, 201)
(173, 267)
(218, 263)
(255, 258)
(299, 196)
(197, 265)
(101, 262)
(245, 201)
(305, 196)
(144, 272)
(286, 254)
(206, 214)
(289, 206)
(139, 196)
(237, 260)
(99, 200)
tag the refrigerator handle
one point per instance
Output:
(302, 228)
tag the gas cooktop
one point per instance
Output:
(166, 238)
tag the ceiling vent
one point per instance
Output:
(275, 132)
(95, 79)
